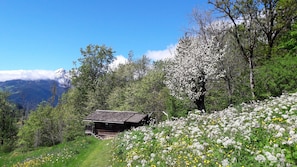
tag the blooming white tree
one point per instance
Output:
(195, 62)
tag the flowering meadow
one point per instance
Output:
(48, 159)
(262, 133)
(65, 154)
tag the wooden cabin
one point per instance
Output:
(107, 123)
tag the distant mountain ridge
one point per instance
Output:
(60, 75)
(28, 94)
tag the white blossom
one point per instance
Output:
(194, 63)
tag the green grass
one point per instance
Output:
(97, 156)
(85, 151)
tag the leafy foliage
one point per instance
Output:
(277, 76)
(91, 78)
(143, 95)
(8, 120)
(49, 126)
(30, 135)
(289, 41)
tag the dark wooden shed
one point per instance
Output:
(105, 123)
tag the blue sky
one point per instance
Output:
(48, 34)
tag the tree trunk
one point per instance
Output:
(3, 129)
(200, 88)
(200, 103)
(229, 90)
(269, 52)
(252, 79)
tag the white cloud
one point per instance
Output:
(120, 59)
(26, 75)
(161, 54)
(7, 75)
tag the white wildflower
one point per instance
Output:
(153, 155)
(143, 162)
(270, 126)
(285, 116)
(219, 141)
(197, 146)
(279, 134)
(270, 157)
(228, 142)
(260, 158)
(277, 127)
(225, 162)
(135, 157)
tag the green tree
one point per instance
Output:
(245, 31)
(8, 129)
(47, 125)
(98, 97)
(91, 77)
(278, 75)
(127, 78)
(254, 22)
(124, 74)
(38, 129)
(273, 18)
(148, 94)
(140, 95)
(289, 41)
(131, 71)
(67, 119)
(116, 99)
(141, 67)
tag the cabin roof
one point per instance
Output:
(119, 117)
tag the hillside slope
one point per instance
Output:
(83, 152)
(257, 134)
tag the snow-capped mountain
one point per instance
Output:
(63, 77)
(60, 75)
(30, 87)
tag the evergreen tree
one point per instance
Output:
(8, 129)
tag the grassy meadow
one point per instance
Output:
(257, 134)
(83, 152)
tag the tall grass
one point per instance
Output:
(257, 134)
